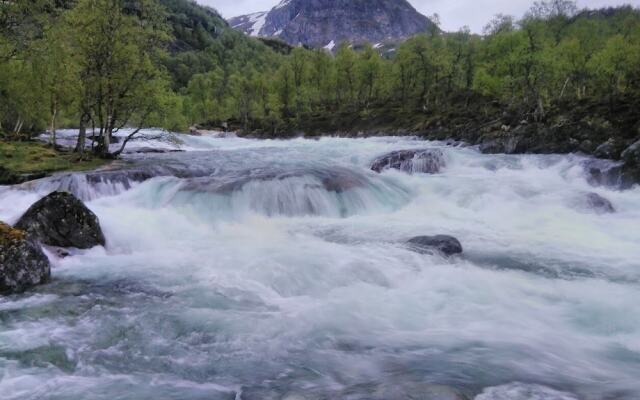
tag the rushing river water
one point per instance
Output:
(278, 270)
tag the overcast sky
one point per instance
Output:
(453, 14)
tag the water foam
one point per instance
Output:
(269, 268)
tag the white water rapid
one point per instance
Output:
(247, 269)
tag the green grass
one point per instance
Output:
(36, 157)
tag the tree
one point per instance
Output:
(346, 78)
(615, 65)
(202, 93)
(299, 67)
(58, 73)
(118, 44)
(20, 23)
(500, 24)
(369, 70)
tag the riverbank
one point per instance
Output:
(566, 127)
(24, 161)
(603, 128)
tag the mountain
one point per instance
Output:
(326, 23)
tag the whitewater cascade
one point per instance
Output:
(248, 269)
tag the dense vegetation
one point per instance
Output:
(107, 64)
(102, 65)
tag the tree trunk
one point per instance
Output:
(82, 135)
(564, 87)
(18, 127)
(125, 141)
(106, 137)
(106, 141)
(54, 113)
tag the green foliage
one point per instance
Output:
(555, 53)
(117, 52)
(174, 64)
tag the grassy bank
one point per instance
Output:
(21, 161)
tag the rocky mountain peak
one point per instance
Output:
(326, 23)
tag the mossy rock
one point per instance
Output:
(23, 264)
(10, 235)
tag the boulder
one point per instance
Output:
(61, 220)
(22, 262)
(447, 245)
(610, 149)
(617, 175)
(586, 146)
(429, 161)
(631, 156)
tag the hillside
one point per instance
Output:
(203, 40)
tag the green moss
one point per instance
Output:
(10, 235)
(35, 157)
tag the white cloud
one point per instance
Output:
(453, 14)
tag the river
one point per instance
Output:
(250, 269)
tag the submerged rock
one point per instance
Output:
(22, 262)
(151, 150)
(429, 161)
(593, 202)
(61, 220)
(523, 391)
(417, 391)
(447, 245)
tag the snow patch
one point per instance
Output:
(331, 45)
(283, 3)
(257, 21)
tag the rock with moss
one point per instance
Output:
(22, 262)
(62, 220)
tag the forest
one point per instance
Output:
(102, 65)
